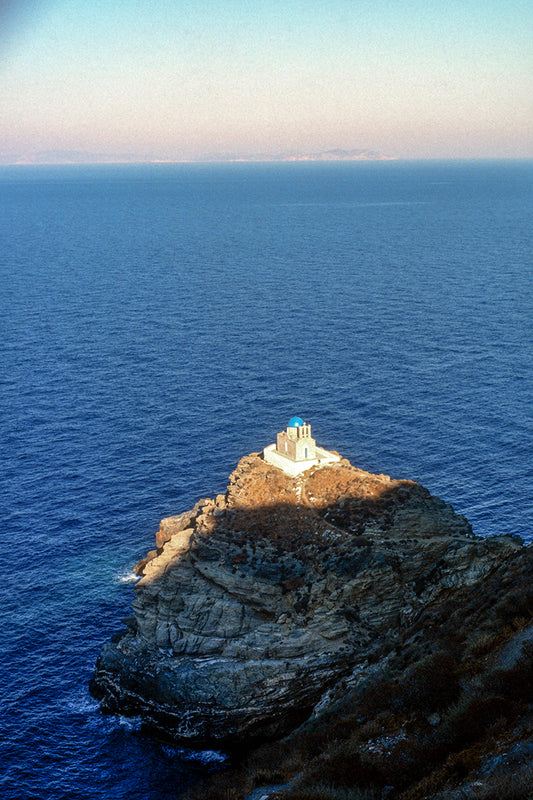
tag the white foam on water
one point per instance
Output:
(202, 756)
(207, 756)
(80, 702)
(129, 724)
(127, 576)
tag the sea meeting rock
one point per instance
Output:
(256, 605)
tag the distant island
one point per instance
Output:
(44, 157)
(323, 155)
(348, 625)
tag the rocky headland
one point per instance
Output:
(262, 610)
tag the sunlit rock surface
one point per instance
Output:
(257, 603)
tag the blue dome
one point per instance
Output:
(295, 422)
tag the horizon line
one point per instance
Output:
(141, 162)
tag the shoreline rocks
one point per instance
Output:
(258, 603)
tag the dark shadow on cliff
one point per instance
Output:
(448, 714)
(431, 665)
(276, 565)
(337, 532)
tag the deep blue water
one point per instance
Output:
(159, 322)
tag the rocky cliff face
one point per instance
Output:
(258, 605)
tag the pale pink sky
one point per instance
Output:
(180, 80)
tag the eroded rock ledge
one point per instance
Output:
(258, 604)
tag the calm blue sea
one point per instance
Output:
(159, 322)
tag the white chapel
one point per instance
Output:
(296, 451)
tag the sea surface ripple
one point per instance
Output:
(161, 321)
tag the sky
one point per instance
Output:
(150, 80)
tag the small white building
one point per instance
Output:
(296, 450)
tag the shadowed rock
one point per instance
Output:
(257, 603)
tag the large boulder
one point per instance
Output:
(257, 603)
